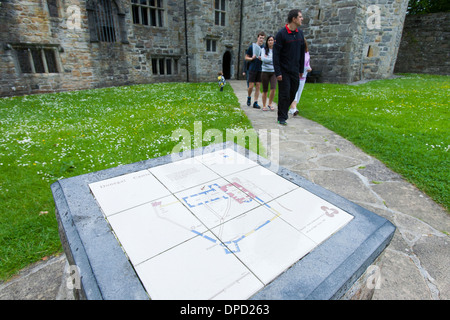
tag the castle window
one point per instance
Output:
(211, 45)
(106, 23)
(165, 66)
(34, 59)
(23, 57)
(369, 52)
(53, 8)
(219, 11)
(148, 12)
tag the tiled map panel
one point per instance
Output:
(216, 226)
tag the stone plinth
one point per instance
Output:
(132, 231)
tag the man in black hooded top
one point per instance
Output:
(288, 62)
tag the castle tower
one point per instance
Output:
(349, 40)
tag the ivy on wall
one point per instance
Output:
(427, 6)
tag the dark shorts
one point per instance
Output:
(254, 76)
(269, 77)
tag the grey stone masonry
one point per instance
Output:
(425, 45)
(61, 45)
(137, 55)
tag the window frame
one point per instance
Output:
(37, 58)
(159, 62)
(55, 12)
(158, 7)
(115, 21)
(211, 45)
(220, 13)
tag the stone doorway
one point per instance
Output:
(226, 65)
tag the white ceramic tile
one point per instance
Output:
(183, 174)
(216, 202)
(266, 224)
(197, 269)
(262, 183)
(310, 214)
(152, 228)
(225, 162)
(266, 244)
(126, 191)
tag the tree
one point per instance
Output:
(428, 6)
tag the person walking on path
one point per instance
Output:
(221, 80)
(268, 73)
(253, 55)
(288, 62)
(245, 72)
(307, 69)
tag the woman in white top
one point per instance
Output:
(268, 73)
(293, 110)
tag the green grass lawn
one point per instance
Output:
(44, 138)
(403, 122)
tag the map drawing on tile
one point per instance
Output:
(192, 221)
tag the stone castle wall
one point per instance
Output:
(83, 63)
(425, 45)
(342, 45)
(204, 65)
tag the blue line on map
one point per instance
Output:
(204, 236)
(193, 196)
(224, 245)
(235, 242)
(228, 244)
(263, 202)
(268, 221)
(210, 239)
